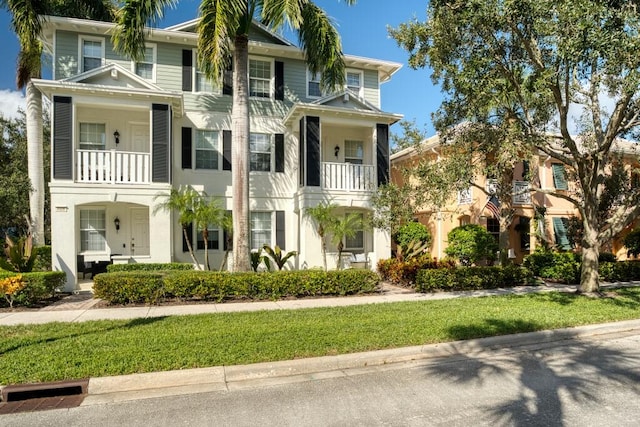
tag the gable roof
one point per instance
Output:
(113, 72)
(350, 96)
(190, 26)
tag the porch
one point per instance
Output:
(113, 167)
(348, 177)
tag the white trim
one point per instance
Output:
(53, 55)
(272, 76)
(215, 89)
(310, 81)
(271, 152)
(79, 229)
(272, 229)
(154, 62)
(195, 149)
(348, 71)
(81, 39)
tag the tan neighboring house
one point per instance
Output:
(474, 206)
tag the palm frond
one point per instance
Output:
(275, 13)
(29, 61)
(129, 35)
(97, 10)
(219, 20)
(321, 44)
(26, 20)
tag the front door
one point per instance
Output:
(139, 244)
(140, 137)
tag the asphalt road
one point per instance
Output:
(591, 381)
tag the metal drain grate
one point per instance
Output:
(42, 396)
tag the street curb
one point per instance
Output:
(112, 389)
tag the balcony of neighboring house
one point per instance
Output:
(520, 191)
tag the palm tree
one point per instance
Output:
(27, 18)
(182, 200)
(207, 212)
(223, 29)
(227, 226)
(344, 227)
(322, 215)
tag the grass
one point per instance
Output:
(57, 351)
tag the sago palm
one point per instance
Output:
(223, 37)
(322, 216)
(207, 212)
(27, 18)
(343, 228)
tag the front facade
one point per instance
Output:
(125, 133)
(536, 215)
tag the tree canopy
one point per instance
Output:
(557, 78)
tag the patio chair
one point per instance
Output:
(83, 267)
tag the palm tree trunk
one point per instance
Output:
(323, 246)
(205, 236)
(240, 155)
(35, 162)
(188, 240)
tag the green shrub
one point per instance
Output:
(607, 257)
(150, 287)
(113, 268)
(129, 286)
(558, 266)
(471, 244)
(403, 272)
(43, 258)
(632, 242)
(619, 271)
(413, 231)
(40, 285)
(471, 278)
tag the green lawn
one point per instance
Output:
(59, 351)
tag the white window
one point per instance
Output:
(260, 157)
(261, 226)
(356, 242)
(464, 196)
(213, 240)
(146, 68)
(92, 136)
(207, 149)
(259, 78)
(92, 230)
(91, 53)
(354, 82)
(313, 85)
(200, 81)
(353, 152)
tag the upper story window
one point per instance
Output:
(465, 197)
(260, 78)
(92, 136)
(92, 230)
(146, 68)
(91, 53)
(207, 149)
(260, 157)
(559, 176)
(313, 85)
(353, 152)
(355, 82)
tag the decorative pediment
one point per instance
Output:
(113, 75)
(346, 99)
(257, 33)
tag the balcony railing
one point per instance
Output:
(521, 193)
(348, 177)
(112, 167)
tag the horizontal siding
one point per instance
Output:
(66, 64)
(169, 66)
(371, 87)
(207, 102)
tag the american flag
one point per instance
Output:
(493, 204)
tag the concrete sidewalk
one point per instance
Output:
(79, 311)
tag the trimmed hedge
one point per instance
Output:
(43, 258)
(40, 285)
(621, 271)
(404, 272)
(113, 268)
(153, 287)
(471, 278)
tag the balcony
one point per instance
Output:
(348, 177)
(521, 193)
(113, 167)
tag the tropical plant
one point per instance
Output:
(257, 258)
(227, 227)
(207, 212)
(411, 232)
(278, 256)
(344, 227)
(27, 18)
(323, 217)
(20, 255)
(632, 242)
(10, 286)
(223, 38)
(470, 244)
(182, 200)
(413, 249)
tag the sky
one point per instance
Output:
(363, 29)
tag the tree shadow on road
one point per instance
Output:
(543, 377)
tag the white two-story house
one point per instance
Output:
(125, 132)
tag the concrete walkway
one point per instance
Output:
(80, 309)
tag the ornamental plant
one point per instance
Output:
(470, 244)
(9, 286)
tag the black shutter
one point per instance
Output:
(161, 125)
(313, 151)
(279, 152)
(279, 80)
(227, 80)
(186, 147)
(383, 153)
(185, 248)
(225, 236)
(280, 236)
(62, 142)
(226, 150)
(187, 70)
(301, 153)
